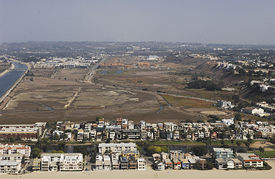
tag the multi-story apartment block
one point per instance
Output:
(11, 157)
(61, 162)
(15, 148)
(23, 131)
(223, 153)
(250, 160)
(116, 147)
(7, 166)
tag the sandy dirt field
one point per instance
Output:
(61, 94)
(149, 174)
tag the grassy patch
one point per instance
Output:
(213, 95)
(171, 142)
(229, 143)
(186, 102)
(252, 117)
(266, 154)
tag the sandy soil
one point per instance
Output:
(115, 93)
(149, 174)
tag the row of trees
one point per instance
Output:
(208, 85)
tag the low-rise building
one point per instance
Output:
(250, 160)
(254, 111)
(124, 163)
(185, 164)
(237, 163)
(224, 104)
(107, 162)
(158, 165)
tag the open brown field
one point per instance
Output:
(134, 93)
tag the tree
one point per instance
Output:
(261, 149)
(236, 98)
(199, 150)
(36, 152)
(247, 144)
(209, 165)
(61, 146)
(248, 136)
(156, 149)
(238, 117)
(238, 143)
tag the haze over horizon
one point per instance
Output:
(202, 21)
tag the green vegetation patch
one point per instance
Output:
(266, 154)
(186, 102)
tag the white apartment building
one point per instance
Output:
(116, 147)
(61, 162)
(15, 148)
(11, 157)
(250, 160)
(141, 164)
(23, 131)
(11, 167)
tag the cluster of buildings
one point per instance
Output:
(177, 159)
(60, 162)
(13, 156)
(255, 111)
(222, 158)
(224, 104)
(119, 156)
(67, 63)
(122, 156)
(124, 129)
(265, 85)
(226, 159)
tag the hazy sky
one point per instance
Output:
(206, 21)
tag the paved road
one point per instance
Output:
(92, 71)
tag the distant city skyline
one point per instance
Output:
(193, 21)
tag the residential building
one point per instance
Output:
(223, 153)
(185, 164)
(11, 157)
(250, 160)
(158, 165)
(15, 148)
(116, 147)
(11, 167)
(36, 164)
(29, 132)
(224, 104)
(107, 162)
(124, 163)
(141, 164)
(61, 162)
